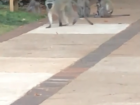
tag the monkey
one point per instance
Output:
(64, 10)
(83, 8)
(105, 9)
(34, 6)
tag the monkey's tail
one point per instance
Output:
(121, 15)
(125, 14)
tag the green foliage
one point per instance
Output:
(4, 2)
(17, 18)
(9, 20)
(6, 28)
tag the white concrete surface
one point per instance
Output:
(119, 103)
(34, 65)
(15, 85)
(117, 64)
(81, 29)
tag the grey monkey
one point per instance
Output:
(34, 6)
(64, 10)
(105, 9)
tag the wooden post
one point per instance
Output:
(13, 5)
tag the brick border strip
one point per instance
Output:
(21, 30)
(51, 86)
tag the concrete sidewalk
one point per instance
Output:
(112, 81)
(55, 57)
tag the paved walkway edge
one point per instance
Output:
(21, 30)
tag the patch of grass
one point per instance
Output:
(6, 28)
(11, 20)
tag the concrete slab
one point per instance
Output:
(15, 85)
(51, 46)
(130, 48)
(34, 65)
(118, 64)
(36, 41)
(81, 29)
(99, 88)
(116, 85)
(120, 103)
(112, 81)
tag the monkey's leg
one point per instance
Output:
(87, 10)
(74, 14)
(83, 11)
(50, 19)
(75, 19)
(70, 13)
(60, 23)
(80, 12)
(62, 16)
(65, 18)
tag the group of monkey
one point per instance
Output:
(65, 11)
